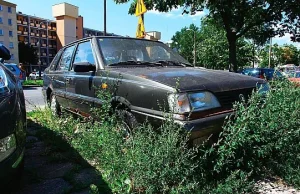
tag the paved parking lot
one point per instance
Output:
(34, 98)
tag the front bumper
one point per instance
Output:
(204, 127)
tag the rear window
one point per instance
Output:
(10, 67)
(251, 72)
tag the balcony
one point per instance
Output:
(44, 54)
(54, 37)
(37, 34)
(33, 44)
(37, 25)
(32, 34)
(49, 27)
(19, 22)
(25, 22)
(49, 36)
(44, 35)
(32, 24)
(26, 42)
(25, 33)
(19, 32)
(50, 54)
(50, 46)
(43, 26)
(44, 45)
(44, 63)
(53, 28)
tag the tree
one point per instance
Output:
(239, 17)
(27, 54)
(281, 55)
(212, 46)
(183, 41)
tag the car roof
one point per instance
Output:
(115, 37)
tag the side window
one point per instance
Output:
(55, 60)
(66, 59)
(84, 53)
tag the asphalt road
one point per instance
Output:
(34, 98)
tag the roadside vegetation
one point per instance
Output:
(261, 140)
(33, 83)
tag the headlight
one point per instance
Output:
(263, 88)
(184, 103)
(3, 81)
(7, 146)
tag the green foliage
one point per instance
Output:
(239, 18)
(33, 83)
(261, 139)
(211, 46)
(281, 55)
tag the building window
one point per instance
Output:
(10, 22)
(11, 45)
(1, 32)
(1, 8)
(12, 57)
(9, 9)
(10, 33)
(1, 20)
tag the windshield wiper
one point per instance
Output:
(174, 63)
(131, 62)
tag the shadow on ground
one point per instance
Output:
(53, 166)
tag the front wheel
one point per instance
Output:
(128, 122)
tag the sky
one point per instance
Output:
(118, 19)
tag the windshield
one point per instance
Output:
(116, 50)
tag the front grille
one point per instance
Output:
(227, 98)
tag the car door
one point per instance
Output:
(59, 76)
(79, 85)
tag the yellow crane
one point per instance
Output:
(139, 12)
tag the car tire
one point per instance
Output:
(54, 106)
(128, 122)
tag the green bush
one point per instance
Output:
(261, 139)
(33, 83)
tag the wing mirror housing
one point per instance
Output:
(4, 53)
(84, 67)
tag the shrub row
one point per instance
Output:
(261, 139)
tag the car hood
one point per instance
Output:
(191, 79)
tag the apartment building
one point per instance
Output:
(8, 29)
(39, 33)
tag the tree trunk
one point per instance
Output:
(232, 54)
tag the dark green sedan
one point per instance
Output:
(152, 77)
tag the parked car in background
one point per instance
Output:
(18, 73)
(295, 77)
(13, 124)
(147, 73)
(287, 69)
(263, 73)
(35, 75)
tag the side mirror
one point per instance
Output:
(84, 67)
(4, 53)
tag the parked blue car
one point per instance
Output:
(19, 73)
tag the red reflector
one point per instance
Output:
(21, 76)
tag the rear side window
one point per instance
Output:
(66, 59)
(11, 68)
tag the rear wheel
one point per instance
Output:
(54, 106)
